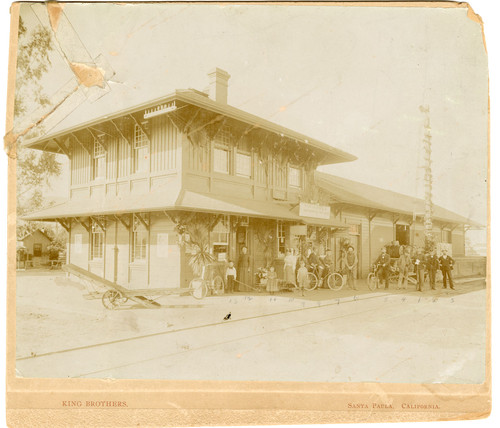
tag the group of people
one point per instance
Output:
(423, 264)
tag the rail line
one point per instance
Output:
(250, 336)
(166, 332)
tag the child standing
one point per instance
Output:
(230, 277)
(272, 281)
(302, 276)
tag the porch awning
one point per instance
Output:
(171, 200)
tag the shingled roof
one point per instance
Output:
(364, 195)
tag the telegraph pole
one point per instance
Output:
(429, 237)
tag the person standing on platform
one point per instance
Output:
(230, 277)
(384, 262)
(243, 270)
(432, 263)
(404, 263)
(351, 263)
(302, 277)
(272, 281)
(446, 265)
(420, 269)
(290, 262)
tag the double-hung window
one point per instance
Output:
(99, 160)
(294, 177)
(97, 240)
(243, 165)
(139, 240)
(221, 160)
(141, 150)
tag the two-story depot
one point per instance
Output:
(156, 186)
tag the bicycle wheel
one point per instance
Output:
(198, 288)
(312, 282)
(372, 281)
(218, 285)
(335, 281)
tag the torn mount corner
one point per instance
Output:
(88, 75)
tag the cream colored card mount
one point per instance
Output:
(247, 213)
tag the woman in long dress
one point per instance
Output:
(244, 270)
(290, 261)
(272, 281)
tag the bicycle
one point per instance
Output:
(373, 280)
(199, 287)
(334, 280)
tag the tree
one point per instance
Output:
(34, 169)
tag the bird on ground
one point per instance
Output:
(228, 316)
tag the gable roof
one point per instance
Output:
(105, 109)
(32, 233)
(364, 195)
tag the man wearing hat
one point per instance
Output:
(384, 262)
(351, 262)
(446, 265)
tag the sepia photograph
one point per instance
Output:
(292, 193)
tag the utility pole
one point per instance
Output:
(429, 237)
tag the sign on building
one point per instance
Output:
(316, 211)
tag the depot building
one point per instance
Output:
(155, 187)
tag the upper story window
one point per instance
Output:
(294, 177)
(97, 240)
(243, 165)
(141, 150)
(221, 160)
(98, 161)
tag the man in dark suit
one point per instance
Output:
(446, 265)
(384, 262)
(432, 263)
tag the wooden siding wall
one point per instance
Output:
(79, 258)
(198, 155)
(80, 163)
(163, 144)
(260, 170)
(111, 157)
(164, 156)
(279, 174)
(123, 158)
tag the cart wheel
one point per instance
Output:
(312, 282)
(111, 299)
(198, 288)
(335, 281)
(372, 281)
(218, 285)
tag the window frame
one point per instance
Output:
(99, 157)
(300, 175)
(139, 233)
(96, 231)
(140, 144)
(237, 163)
(228, 157)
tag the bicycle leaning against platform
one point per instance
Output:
(315, 279)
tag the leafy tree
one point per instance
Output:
(34, 168)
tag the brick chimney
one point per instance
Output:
(217, 90)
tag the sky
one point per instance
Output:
(352, 77)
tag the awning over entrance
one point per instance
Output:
(177, 200)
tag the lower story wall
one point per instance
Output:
(159, 269)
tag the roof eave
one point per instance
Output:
(332, 155)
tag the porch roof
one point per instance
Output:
(187, 200)
(364, 195)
